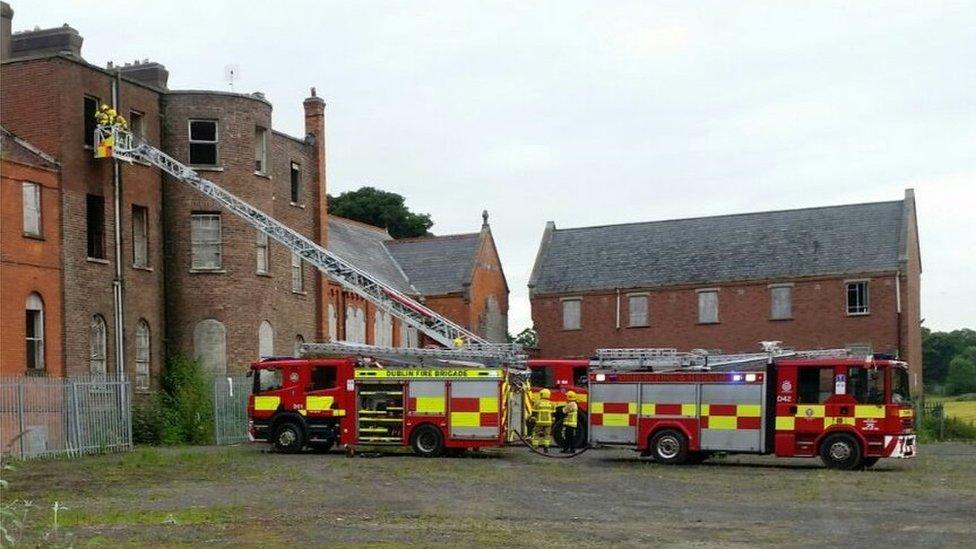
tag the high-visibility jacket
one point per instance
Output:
(572, 413)
(543, 412)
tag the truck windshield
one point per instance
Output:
(268, 379)
(900, 392)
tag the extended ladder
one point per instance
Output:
(123, 145)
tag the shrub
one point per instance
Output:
(147, 422)
(929, 429)
(962, 375)
(186, 403)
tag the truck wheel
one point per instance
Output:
(288, 437)
(841, 451)
(869, 462)
(557, 432)
(427, 441)
(669, 446)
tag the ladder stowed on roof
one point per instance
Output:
(125, 146)
(672, 359)
(489, 355)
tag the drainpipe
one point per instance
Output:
(117, 283)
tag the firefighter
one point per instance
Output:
(542, 414)
(570, 421)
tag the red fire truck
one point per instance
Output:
(850, 412)
(320, 402)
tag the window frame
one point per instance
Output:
(135, 115)
(822, 396)
(89, 124)
(143, 361)
(95, 241)
(218, 243)
(261, 131)
(190, 141)
(297, 274)
(136, 264)
(579, 313)
(98, 345)
(708, 291)
(864, 307)
(630, 310)
(295, 183)
(38, 229)
(38, 336)
(772, 301)
(262, 248)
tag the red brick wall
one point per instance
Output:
(29, 265)
(488, 281)
(911, 314)
(819, 319)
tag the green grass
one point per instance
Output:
(129, 516)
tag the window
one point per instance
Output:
(203, 142)
(360, 325)
(297, 276)
(296, 183)
(97, 345)
(210, 346)
(260, 150)
(35, 333)
(299, 341)
(265, 339)
(815, 385)
(541, 377)
(96, 226)
(333, 324)
(571, 314)
(205, 241)
(579, 376)
(140, 236)
(323, 377)
(137, 123)
(900, 389)
(637, 310)
(32, 208)
(781, 298)
(142, 355)
(261, 244)
(91, 107)
(707, 306)
(408, 335)
(268, 379)
(866, 385)
(857, 297)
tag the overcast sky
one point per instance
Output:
(590, 113)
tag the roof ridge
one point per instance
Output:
(457, 236)
(719, 216)
(380, 230)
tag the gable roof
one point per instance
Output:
(753, 246)
(437, 265)
(15, 149)
(363, 246)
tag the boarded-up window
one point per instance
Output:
(571, 314)
(142, 355)
(210, 346)
(140, 236)
(95, 217)
(260, 150)
(383, 329)
(707, 306)
(782, 302)
(299, 341)
(297, 274)
(408, 336)
(261, 245)
(857, 297)
(333, 324)
(35, 332)
(32, 208)
(203, 142)
(360, 325)
(205, 241)
(265, 339)
(97, 363)
(637, 310)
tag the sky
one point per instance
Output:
(593, 113)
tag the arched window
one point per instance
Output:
(299, 341)
(142, 355)
(97, 344)
(210, 346)
(265, 339)
(333, 323)
(35, 333)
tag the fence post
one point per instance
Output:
(20, 419)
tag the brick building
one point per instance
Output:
(841, 276)
(195, 279)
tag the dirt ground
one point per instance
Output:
(246, 496)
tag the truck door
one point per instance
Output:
(322, 397)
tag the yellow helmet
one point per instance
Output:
(544, 393)
(570, 395)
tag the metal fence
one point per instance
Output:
(42, 417)
(230, 396)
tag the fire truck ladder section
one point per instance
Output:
(670, 359)
(125, 146)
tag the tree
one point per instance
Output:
(381, 209)
(938, 348)
(527, 338)
(962, 374)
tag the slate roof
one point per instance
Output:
(364, 247)
(765, 245)
(15, 149)
(437, 265)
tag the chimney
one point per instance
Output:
(6, 19)
(149, 73)
(315, 138)
(59, 40)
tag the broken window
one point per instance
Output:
(137, 123)
(857, 297)
(91, 107)
(296, 183)
(260, 150)
(95, 215)
(142, 355)
(205, 241)
(203, 142)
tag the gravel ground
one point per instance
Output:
(607, 497)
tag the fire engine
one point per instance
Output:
(386, 399)
(848, 411)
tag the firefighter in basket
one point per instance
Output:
(542, 427)
(570, 422)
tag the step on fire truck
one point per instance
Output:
(849, 411)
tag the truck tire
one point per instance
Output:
(427, 441)
(581, 439)
(841, 451)
(288, 437)
(669, 446)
